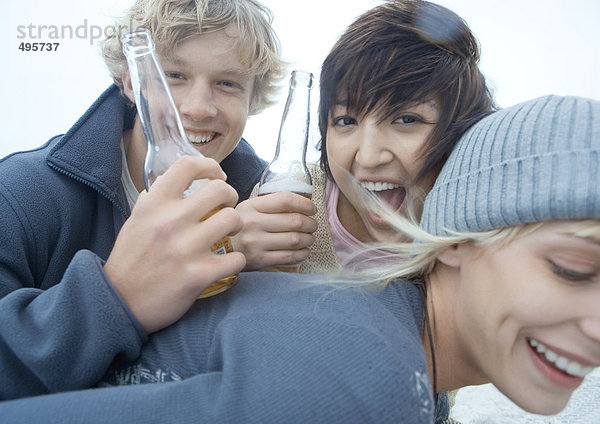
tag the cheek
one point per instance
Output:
(235, 112)
(489, 323)
(179, 97)
(412, 163)
(338, 172)
(408, 149)
(345, 181)
(339, 154)
(485, 286)
(508, 294)
(177, 92)
(340, 160)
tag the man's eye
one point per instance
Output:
(343, 121)
(229, 84)
(174, 75)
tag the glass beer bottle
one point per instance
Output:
(287, 171)
(162, 126)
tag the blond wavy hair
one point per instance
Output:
(417, 257)
(423, 253)
(173, 21)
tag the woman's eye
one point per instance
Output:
(569, 274)
(407, 119)
(343, 121)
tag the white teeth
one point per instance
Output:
(576, 369)
(551, 356)
(378, 186)
(570, 367)
(200, 138)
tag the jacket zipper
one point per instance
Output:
(89, 184)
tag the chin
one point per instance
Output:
(208, 152)
(543, 403)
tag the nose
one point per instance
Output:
(198, 103)
(372, 147)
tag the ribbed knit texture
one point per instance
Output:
(535, 161)
(322, 258)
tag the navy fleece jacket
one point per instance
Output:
(61, 208)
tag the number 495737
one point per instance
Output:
(41, 47)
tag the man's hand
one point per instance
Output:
(162, 259)
(277, 229)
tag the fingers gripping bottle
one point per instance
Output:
(287, 171)
(162, 126)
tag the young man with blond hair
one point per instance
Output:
(88, 269)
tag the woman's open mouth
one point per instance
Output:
(559, 369)
(392, 194)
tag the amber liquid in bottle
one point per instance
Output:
(162, 127)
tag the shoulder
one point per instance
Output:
(344, 340)
(19, 164)
(243, 168)
(317, 351)
(386, 313)
(243, 155)
(29, 173)
(25, 177)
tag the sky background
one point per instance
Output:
(529, 48)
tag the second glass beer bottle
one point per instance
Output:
(287, 171)
(163, 129)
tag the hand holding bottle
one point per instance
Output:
(277, 230)
(163, 259)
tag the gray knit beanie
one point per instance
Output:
(535, 161)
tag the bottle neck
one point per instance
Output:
(288, 171)
(293, 133)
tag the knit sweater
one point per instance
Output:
(322, 258)
(277, 348)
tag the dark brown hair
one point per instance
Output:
(402, 53)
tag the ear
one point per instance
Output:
(128, 88)
(451, 256)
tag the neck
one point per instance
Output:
(135, 153)
(452, 365)
(351, 219)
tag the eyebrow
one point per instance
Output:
(589, 239)
(175, 60)
(232, 70)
